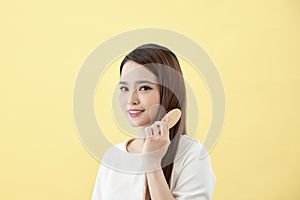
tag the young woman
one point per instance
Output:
(151, 85)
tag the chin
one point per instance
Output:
(139, 124)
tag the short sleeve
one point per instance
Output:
(195, 179)
(97, 187)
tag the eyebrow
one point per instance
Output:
(139, 82)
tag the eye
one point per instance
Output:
(123, 89)
(145, 88)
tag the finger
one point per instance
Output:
(156, 128)
(167, 121)
(164, 131)
(148, 132)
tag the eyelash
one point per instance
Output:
(125, 89)
(146, 87)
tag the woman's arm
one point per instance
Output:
(158, 186)
(155, 146)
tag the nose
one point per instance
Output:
(133, 99)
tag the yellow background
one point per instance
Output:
(254, 44)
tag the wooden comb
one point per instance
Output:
(174, 116)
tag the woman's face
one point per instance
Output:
(139, 94)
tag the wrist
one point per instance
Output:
(151, 162)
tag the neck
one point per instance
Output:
(141, 132)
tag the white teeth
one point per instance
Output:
(134, 111)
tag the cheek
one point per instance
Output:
(154, 106)
(156, 98)
(122, 101)
(153, 99)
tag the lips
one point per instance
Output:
(135, 112)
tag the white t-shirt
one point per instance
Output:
(192, 176)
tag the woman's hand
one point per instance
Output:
(156, 144)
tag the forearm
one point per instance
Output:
(158, 186)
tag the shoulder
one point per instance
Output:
(112, 155)
(191, 154)
(117, 158)
(193, 176)
(116, 148)
(189, 146)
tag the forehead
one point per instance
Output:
(133, 71)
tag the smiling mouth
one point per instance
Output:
(135, 113)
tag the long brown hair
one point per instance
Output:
(172, 93)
